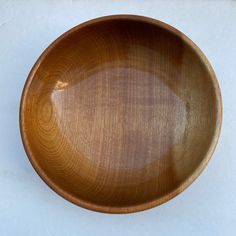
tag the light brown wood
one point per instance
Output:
(120, 114)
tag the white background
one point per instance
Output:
(29, 207)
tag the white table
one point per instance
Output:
(29, 207)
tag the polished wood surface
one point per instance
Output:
(120, 114)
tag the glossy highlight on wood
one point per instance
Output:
(120, 114)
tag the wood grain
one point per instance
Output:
(120, 114)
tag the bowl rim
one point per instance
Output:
(157, 201)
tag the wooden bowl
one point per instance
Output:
(120, 114)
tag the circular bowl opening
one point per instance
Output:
(120, 114)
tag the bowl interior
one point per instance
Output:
(119, 113)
